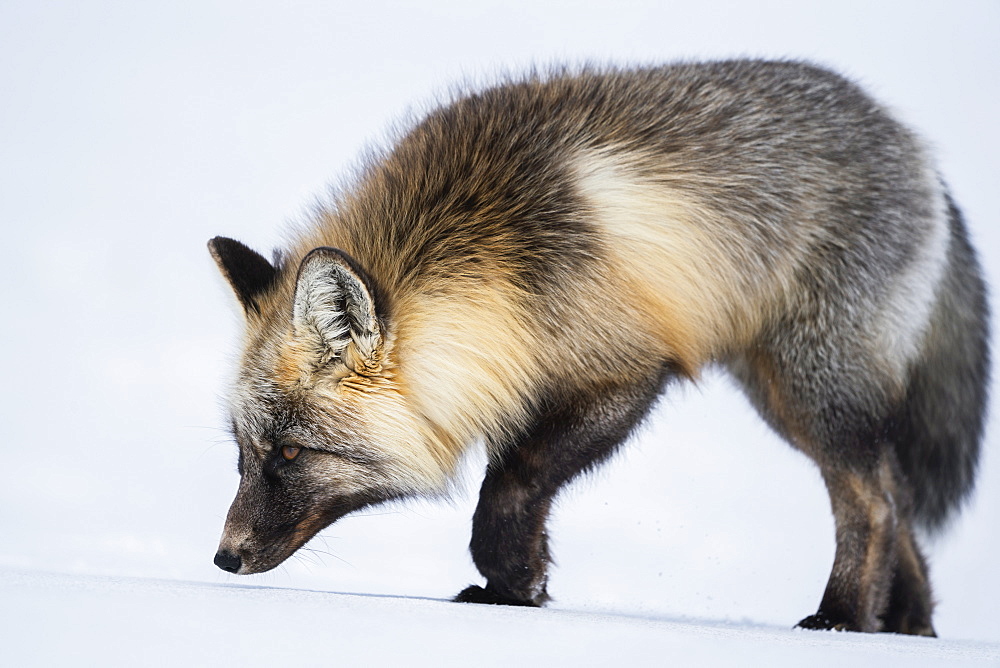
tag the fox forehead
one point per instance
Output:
(256, 410)
(265, 416)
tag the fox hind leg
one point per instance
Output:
(879, 578)
(866, 560)
(910, 603)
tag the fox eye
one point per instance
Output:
(290, 452)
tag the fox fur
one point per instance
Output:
(531, 264)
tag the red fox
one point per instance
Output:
(532, 264)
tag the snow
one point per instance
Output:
(126, 621)
(131, 133)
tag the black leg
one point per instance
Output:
(509, 544)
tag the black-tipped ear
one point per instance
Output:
(247, 271)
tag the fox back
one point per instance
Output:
(532, 263)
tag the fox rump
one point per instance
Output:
(532, 264)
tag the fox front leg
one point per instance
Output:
(574, 434)
(509, 545)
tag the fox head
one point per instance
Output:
(318, 411)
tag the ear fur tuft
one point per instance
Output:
(334, 311)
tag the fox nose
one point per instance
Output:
(228, 561)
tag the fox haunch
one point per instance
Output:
(531, 264)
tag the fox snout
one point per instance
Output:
(262, 531)
(244, 550)
(254, 541)
(252, 556)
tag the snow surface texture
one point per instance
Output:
(131, 133)
(126, 621)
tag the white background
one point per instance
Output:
(131, 133)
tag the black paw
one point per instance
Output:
(477, 594)
(820, 622)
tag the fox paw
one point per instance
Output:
(820, 622)
(477, 594)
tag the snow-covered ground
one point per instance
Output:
(130, 133)
(124, 621)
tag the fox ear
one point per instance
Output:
(334, 312)
(249, 274)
